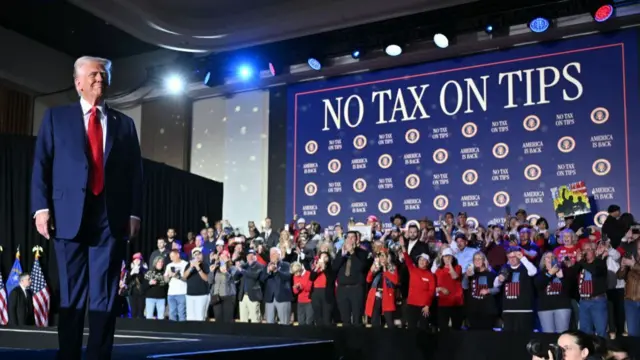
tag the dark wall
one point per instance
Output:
(277, 156)
(171, 198)
(165, 131)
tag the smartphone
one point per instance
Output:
(286, 227)
(326, 232)
(507, 210)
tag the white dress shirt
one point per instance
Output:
(86, 111)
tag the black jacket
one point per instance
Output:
(21, 307)
(249, 276)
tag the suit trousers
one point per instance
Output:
(350, 299)
(283, 309)
(305, 314)
(89, 271)
(250, 310)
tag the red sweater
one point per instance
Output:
(422, 284)
(444, 280)
(303, 293)
(320, 282)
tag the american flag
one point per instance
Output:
(4, 316)
(586, 284)
(554, 287)
(513, 286)
(41, 296)
(478, 285)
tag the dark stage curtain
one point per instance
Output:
(172, 198)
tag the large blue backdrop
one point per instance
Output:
(480, 134)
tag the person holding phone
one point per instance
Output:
(177, 291)
(381, 299)
(554, 295)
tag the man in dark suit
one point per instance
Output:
(277, 288)
(21, 303)
(250, 290)
(350, 266)
(271, 237)
(86, 195)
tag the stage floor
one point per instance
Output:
(26, 344)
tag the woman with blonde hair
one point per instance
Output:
(326, 246)
(286, 247)
(554, 300)
(381, 300)
(480, 302)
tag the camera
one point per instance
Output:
(536, 348)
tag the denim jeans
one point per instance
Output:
(177, 307)
(555, 321)
(152, 305)
(632, 312)
(594, 316)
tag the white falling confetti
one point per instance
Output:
(243, 130)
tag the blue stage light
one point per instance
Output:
(539, 25)
(355, 54)
(245, 72)
(314, 64)
(489, 29)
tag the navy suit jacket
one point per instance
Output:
(61, 170)
(277, 286)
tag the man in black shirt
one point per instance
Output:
(350, 266)
(197, 298)
(592, 286)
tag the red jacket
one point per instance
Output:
(444, 280)
(388, 293)
(422, 284)
(304, 292)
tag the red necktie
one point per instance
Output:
(96, 171)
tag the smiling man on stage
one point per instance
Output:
(86, 192)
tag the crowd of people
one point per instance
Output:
(440, 275)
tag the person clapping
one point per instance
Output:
(449, 292)
(381, 300)
(422, 287)
(197, 297)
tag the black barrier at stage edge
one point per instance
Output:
(378, 344)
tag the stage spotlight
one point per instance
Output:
(393, 50)
(488, 29)
(355, 54)
(539, 25)
(441, 40)
(603, 13)
(245, 72)
(174, 84)
(314, 63)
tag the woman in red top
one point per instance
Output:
(322, 289)
(381, 300)
(449, 292)
(302, 287)
(422, 287)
